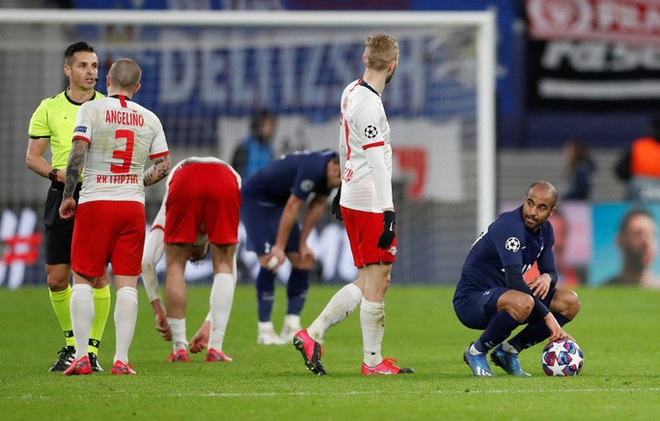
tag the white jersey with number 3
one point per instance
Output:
(365, 150)
(122, 135)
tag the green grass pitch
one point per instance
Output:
(617, 329)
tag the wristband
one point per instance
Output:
(52, 175)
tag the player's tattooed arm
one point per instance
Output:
(159, 170)
(75, 166)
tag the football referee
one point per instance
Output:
(52, 124)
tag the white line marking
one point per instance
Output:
(364, 393)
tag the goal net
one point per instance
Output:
(205, 73)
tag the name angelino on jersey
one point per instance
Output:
(124, 117)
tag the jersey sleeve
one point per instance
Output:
(83, 128)
(371, 122)
(39, 127)
(509, 239)
(159, 145)
(154, 247)
(381, 177)
(546, 262)
(309, 178)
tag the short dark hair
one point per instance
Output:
(74, 48)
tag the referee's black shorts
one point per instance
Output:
(58, 231)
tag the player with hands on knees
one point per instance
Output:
(273, 198)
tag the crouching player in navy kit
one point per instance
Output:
(271, 201)
(492, 295)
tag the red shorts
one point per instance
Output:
(108, 231)
(364, 229)
(202, 197)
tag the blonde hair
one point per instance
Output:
(380, 50)
(125, 73)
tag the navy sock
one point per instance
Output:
(534, 333)
(499, 328)
(265, 294)
(296, 290)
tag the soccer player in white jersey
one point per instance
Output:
(201, 206)
(364, 201)
(112, 140)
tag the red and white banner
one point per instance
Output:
(634, 21)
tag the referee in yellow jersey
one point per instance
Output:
(52, 124)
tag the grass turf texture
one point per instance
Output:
(616, 328)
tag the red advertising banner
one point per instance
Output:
(634, 21)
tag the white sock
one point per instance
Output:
(126, 310)
(222, 298)
(338, 308)
(292, 321)
(178, 327)
(82, 316)
(474, 351)
(372, 320)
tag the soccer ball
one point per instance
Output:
(562, 357)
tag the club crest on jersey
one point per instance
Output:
(80, 129)
(512, 244)
(371, 131)
(307, 185)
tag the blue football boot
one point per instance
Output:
(508, 361)
(478, 363)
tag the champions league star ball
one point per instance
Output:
(562, 358)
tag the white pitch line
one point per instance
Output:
(437, 392)
(361, 393)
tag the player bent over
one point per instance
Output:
(273, 198)
(492, 295)
(113, 138)
(201, 206)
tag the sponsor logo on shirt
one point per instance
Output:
(117, 179)
(80, 129)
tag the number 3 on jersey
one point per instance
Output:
(126, 155)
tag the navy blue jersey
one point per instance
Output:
(506, 242)
(300, 174)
